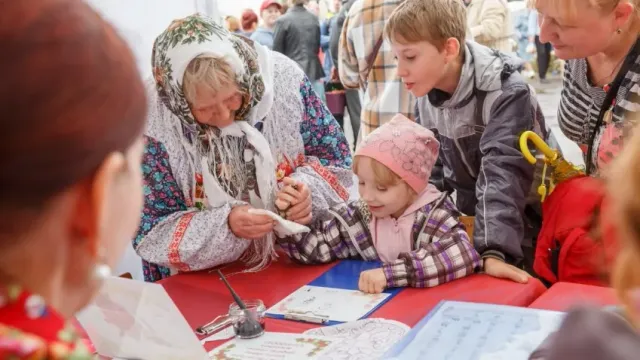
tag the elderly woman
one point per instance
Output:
(233, 123)
(73, 112)
(599, 38)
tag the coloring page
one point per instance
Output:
(273, 346)
(337, 304)
(366, 339)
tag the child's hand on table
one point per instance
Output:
(294, 199)
(500, 269)
(372, 281)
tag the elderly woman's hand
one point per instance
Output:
(249, 226)
(295, 201)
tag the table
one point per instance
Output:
(202, 296)
(561, 296)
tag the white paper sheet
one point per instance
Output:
(338, 304)
(283, 226)
(469, 331)
(366, 339)
(274, 346)
(138, 320)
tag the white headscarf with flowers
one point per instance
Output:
(226, 155)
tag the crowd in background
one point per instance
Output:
(511, 27)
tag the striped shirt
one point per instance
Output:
(580, 106)
(385, 95)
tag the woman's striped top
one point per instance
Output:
(580, 105)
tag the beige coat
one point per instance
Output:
(490, 24)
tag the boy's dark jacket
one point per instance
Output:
(478, 129)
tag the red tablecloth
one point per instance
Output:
(202, 296)
(561, 296)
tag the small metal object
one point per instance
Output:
(306, 316)
(215, 325)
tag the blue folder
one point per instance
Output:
(345, 275)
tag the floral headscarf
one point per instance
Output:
(186, 39)
(222, 152)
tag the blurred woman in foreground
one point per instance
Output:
(72, 110)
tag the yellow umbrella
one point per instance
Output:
(561, 169)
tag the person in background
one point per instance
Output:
(599, 40)
(400, 219)
(270, 11)
(478, 104)
(366, 63)
(543, 50)
(72, 114)
(325, 36)
(352, 96)
(313, 7)
(490, 24)
(233, 24)
(249, 22)
(297, 35)
(525, 49)
(231, 124)
(589, 333)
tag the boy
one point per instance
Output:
(477, 103)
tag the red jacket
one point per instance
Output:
(566, 250)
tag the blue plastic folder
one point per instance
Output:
(345, 275)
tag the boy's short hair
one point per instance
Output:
(433, 21)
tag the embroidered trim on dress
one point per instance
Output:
(174, 246)
(330, 178)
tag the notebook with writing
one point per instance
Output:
(333, 297)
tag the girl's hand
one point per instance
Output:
(372, 281)
(295, 201)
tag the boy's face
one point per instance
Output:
(383, 201)
(421, 66)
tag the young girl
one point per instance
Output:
(400, 219)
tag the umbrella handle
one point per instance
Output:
(548, 152)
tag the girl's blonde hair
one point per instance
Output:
(211, 72)
(383, 175)
(624, 189)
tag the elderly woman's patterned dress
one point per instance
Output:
(178, 232)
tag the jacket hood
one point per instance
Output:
(483, 68)
(491, 66)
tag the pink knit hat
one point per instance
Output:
(406, 148)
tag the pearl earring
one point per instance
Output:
(101, 270)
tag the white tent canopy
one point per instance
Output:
(140, 21)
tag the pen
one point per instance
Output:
(314, 319)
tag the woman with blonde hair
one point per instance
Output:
(72, 112)
(234, 127)
(599, 40)
(588, 333)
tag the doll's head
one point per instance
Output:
(393, 165)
